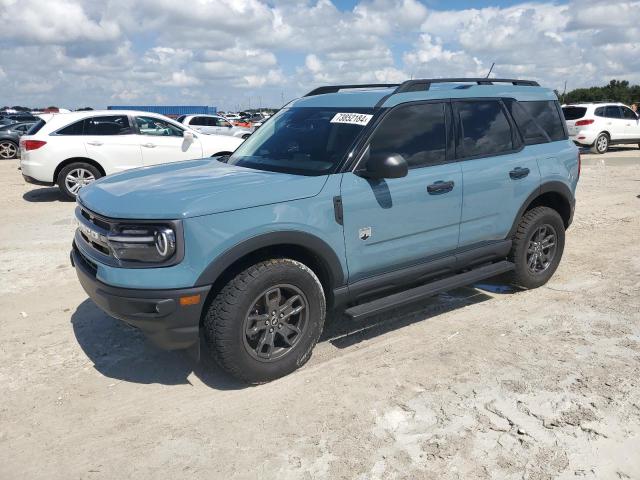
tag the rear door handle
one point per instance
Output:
(149, 145)
(440, 187)
(95, 143)
(518, 173)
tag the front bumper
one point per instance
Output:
(158, 313)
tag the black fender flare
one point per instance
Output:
(556, 187)
(307, 241)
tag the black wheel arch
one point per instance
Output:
(304, 247)
(555, 195)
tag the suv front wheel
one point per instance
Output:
(75, 176)
(537, 247)
(264, 323)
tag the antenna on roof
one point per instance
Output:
(490, 70)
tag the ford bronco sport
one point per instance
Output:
(354, 197)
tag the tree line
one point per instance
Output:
(615, 91)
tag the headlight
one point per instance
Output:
(143, 243)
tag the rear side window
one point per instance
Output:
(547, 116)
(574, 113)
(612, 112)
(76, 128)
(484, 127)
(108, 125)
(417, 132)
(198, 121)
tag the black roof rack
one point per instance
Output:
(425, 84)
(421, 85)
(337, 88)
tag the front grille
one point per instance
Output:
(93, 229)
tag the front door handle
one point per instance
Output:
(518, 173)
(95, 143)
(440, 187)
(149, 145)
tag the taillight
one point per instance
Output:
(581, 123)
(32, 144)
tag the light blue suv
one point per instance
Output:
(354, 197)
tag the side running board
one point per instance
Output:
(384, 304)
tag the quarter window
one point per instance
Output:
(485, 129)
(157, 127)
(532, 133)
(76, 128)
(547, 116)
(111, 125)
(417, 132)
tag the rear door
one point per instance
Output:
(394, 223)
(614, 123)
(111, 141)
(498, 174)
(162, 141)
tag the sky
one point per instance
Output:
(240, 54)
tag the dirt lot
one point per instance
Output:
(478, 383)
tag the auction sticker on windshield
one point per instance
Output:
(353, 118)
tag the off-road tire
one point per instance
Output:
(601, 145)
(224, 322)
(61, 180)
(529, 224)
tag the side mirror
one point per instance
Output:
(388, 165)
(188, 136)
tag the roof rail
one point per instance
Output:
(425, 84)
(337, 88)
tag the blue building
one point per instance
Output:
(169, 110)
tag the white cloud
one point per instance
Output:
(93, 52)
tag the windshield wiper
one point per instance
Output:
(223, 158)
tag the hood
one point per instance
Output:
(193, 188)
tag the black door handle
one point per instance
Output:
(518, 173)
(440, 187)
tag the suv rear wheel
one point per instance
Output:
(265, 322)
(601, 145)
(75, 176)
(537, 247)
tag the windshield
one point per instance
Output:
(303, 141)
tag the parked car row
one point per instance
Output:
(10, 138)
(214, 124)
(72, 150)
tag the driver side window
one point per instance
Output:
(628, 114)
(157, 127)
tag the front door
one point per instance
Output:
(631, 125)
(163, 142)
(393, 223)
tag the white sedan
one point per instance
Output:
(74, 149)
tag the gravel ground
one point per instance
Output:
(481, 382)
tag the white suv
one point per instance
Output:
(599, 125)
(214, 124)
(74, 149)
